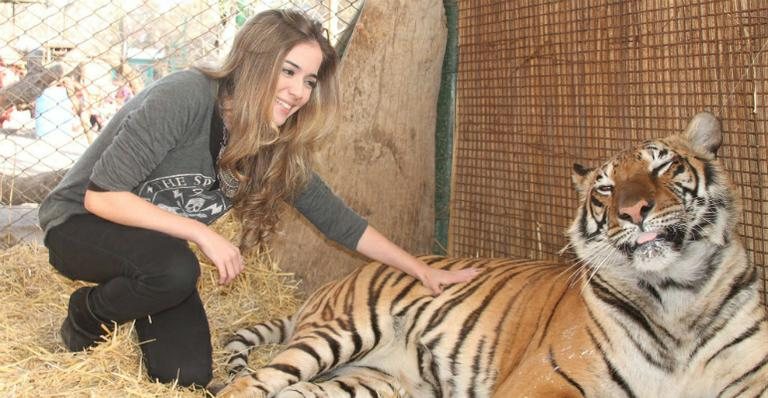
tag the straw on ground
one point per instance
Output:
(33, 299)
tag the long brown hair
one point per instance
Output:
(271, 163)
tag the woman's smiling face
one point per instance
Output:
(297, 79)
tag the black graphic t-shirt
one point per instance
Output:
(187, 195)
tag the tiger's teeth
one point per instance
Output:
(646, 237)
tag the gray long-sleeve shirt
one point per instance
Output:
(158, 147)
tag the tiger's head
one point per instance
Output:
(656, 210)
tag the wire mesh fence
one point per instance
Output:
(67, 66)
(544, 84)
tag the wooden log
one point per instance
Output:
(381, 160)
(16, 190)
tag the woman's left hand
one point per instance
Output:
(374, 245)
(436, 279)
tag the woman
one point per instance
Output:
(179, 155)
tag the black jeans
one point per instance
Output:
(143, 275)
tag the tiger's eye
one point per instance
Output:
(604, 189)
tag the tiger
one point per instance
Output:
(661, 300)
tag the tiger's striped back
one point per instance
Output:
(424, 340)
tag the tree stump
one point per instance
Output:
(381, 160)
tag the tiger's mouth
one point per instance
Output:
(655, 250)
(650, 249)
(649, 242)
(649, 245)
(646, 237)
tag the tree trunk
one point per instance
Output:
(381, 160)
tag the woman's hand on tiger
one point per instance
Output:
(437, 279)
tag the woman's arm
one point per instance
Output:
(338, 222)
(377, 247)
(126, 208)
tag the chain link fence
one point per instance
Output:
(66, 66)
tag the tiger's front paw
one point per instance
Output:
(244, 387)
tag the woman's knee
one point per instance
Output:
(175, 277)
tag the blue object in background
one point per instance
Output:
(54, 112)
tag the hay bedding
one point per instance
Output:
(33, 301)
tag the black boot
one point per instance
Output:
(82, 328)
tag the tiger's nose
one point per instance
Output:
(637, 212)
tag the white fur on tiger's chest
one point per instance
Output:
(703, 371)
(647, 381)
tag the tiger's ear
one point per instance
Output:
(579, 176)
(704, 133)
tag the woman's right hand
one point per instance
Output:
(224, 255)
(128, 209)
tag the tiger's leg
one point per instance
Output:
(348, 381)
(244, 340)
(303, 359)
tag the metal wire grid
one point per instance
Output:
(544, 84)
(117, 45)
